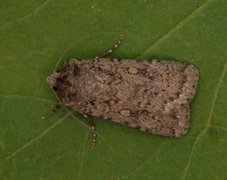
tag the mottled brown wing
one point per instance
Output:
(153, 96)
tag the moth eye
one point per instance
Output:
(55, 88)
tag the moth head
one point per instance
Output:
(52, 79)
(58, 81)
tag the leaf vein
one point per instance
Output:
(83, 155)
(33, 11)
(25, 96)
(179, 25)
(222, 128)
(208, 124)
(34, 139)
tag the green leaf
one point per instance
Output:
(33, 36)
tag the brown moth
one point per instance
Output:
(151, 95)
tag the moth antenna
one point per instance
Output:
(94, 137)
(70, 46)
(115, 46)
(94, 132)
(55, 108)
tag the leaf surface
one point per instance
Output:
(33, 36)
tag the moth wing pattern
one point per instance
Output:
(152, 95)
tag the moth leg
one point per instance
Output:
(115, 46)
(54, 109)
(94, 135)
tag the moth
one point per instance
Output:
(151, 95)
